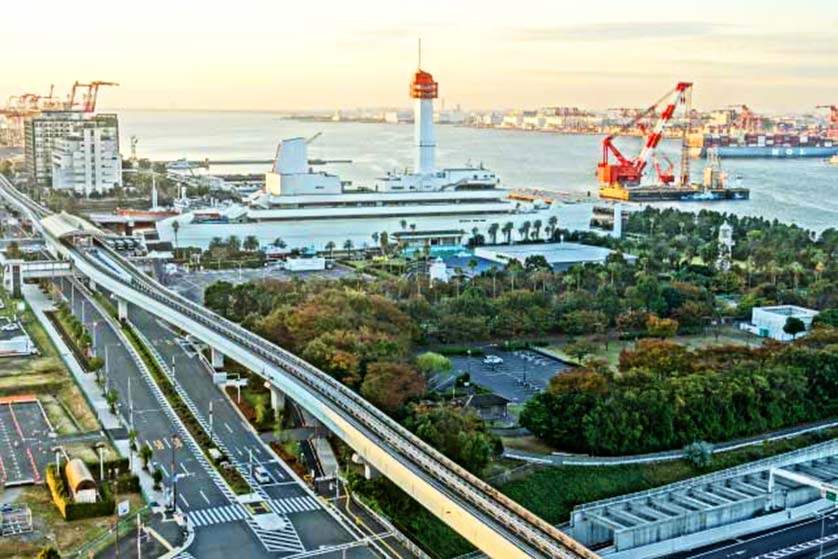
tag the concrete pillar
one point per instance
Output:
(217, 358)
(122, 308)
(369, 471)
(277, 399)
(617, 231)
(13, 277)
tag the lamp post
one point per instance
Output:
(175, 441)
(116, 512)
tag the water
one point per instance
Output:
(800, 191)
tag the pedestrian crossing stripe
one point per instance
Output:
(216, 515)
(291, 505)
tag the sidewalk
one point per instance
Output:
(40, 303)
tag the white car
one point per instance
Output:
(492, 360)
(261, 474)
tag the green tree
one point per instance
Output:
(699, 454)
(429, 363)
(145, 455)
(251, 243)
(662, 327)
(579, 349)
(49, 553)
(463, 437)
(794, 326)
(157, 477)
(112, 398)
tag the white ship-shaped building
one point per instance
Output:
(428, 207)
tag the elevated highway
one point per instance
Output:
(478, 512)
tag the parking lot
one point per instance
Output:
(24, 440)
(520, 376)
(192, 284)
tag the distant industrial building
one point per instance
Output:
(768, 322)
(73, 150)
(560, 256)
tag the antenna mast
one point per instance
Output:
(420, 53)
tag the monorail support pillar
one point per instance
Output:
(121, 309)
(217, 358)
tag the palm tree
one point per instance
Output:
(279, 243)
(413, 227)
(552, 222)
(347, 246)
(251, 243)
(507, 230)
(493, 232)
(403, 223)
(384, 239)
(524, 230)
(375, 237)
(330, 246)
(537, 226)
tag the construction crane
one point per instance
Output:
(832, 127)
(88, 100)
(628, 172)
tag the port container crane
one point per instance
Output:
(832, 127)
(88, 100)
(628, 172)
(746, 119)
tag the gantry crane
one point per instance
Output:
(614, 178)
(746, 119)
(832, 127)
(88, 100)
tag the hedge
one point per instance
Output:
(76, 511)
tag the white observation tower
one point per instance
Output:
(424, 90)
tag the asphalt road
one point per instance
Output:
(800, 541)
(315, 527)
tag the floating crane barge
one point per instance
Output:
(621, 180)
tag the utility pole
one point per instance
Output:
(175, 440)
(139, 543)
(210, 419)
(116, 517)
(130, 405)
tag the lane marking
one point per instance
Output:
(201, 491)
(182, 498)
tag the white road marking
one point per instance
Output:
(228, 427)
(184, 468)
(182, 498)
(162, 467)
(201, 491)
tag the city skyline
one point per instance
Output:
(264, 56)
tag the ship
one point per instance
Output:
(733, 146)
(428, 208)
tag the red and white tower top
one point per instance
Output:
(423, 86)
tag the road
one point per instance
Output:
(198, 489)
(800, 541)
(314, 525)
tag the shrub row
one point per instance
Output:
(233, 478)
(71, 510)
(459, 350)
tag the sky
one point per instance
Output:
(774, 55)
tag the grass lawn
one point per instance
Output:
(727, 336)
(552, 492)
(51, 529)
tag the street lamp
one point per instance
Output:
(175, 442)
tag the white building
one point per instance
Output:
(14, 340)
(88, 161)
(768, 322)
(47, 131)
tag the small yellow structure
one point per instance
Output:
(81, 482)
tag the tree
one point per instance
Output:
(463, 437)
(828, 317)
(280, 243)
(13, 251)
(536, 225)
(330, 246)
(794, 326)
(430, 362)
(233, 245)
(390, 385)
(662, 327)
(579, 349)
(699, 454)
(493, 232)
(132, 439)
(49, 553)
(112, 398)
(347, 246)
(157, 476)
(145, 455)
(507, 229)
(251, 243)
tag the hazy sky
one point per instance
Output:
(283, 54)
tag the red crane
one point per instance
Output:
(628, 172)
(746, 119)
(832, 127)
(88, 100)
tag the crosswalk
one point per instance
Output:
(217, 515)
(235, 512)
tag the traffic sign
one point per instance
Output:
(124, 508)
